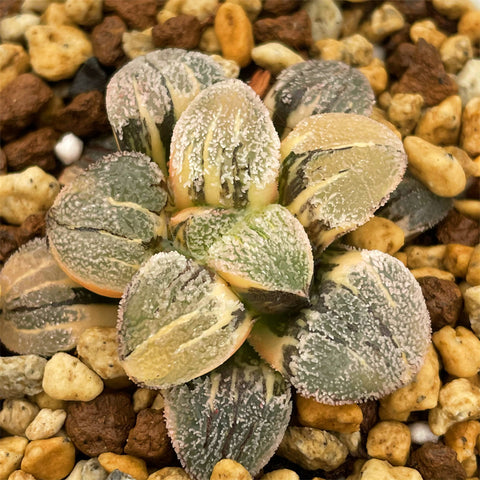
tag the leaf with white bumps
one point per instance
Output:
(146, 97)
(177, 321)
(365, 335)
(108, 220)
(263, 253)
(239, 411)
(42, 310)
(224, 150)
(337, 169)
(317, 86)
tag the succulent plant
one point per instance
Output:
(365, 335)
(414, 208)
(146, 97)
(264, 254)
(317, 86)
(224, 150)
(177, 321)
(108, 221)
(42, 310)
(337, 169)
(238, 411)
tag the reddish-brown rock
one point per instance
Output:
(35, 148)
(292, 30)
(3, 162)
(281, 7)
(107, 41)
(149, 440)
(426, 75)
(182, 31)
(443, 299)
(20, 101)
(399, 61)
(138, 14)
(85, 115)
(436, 461)
(9, 7)
(412, 10)
(12, 237)
(102, 424)
(457, 228)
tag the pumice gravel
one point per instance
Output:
(239, 240)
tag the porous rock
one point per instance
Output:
(436, 461)
(292, 30)
(443, 299)
(107, 41)
(457, 228)
(149, 440)
(101, 425)
(138, 14)
(426, 75)
(34, 148)
(182, 31)
(20, 102)
(21, 375)
(85, 115)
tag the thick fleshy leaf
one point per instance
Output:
(317, 86)
(414, 208)
(42, 310)
(108, 221)
(239, 411)
(224, 150)
(264, 254)
(337, 169)
(365, 335)
(146, 97)
(177, 321)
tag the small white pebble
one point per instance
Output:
(421, 433)
(69, 148)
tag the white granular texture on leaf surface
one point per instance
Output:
(226, 137)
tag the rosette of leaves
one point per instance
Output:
(317, 86)
(365, 335)
(177, 321)
(337, 169)
(264, 254)
(43, 311)
(224, 150)
(238, 411)
(414, 208)
(146, 97)
(108, 220)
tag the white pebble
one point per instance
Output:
(421, 433)
(69, 148)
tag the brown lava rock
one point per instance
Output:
(138, 14)
(398, 62)
(182, 31)
(457, 228)
(12, 236)
(20, 101)
(3, 162)
(443, 299)
(9, 7)
(149, 440)
(281, 7)
(293, 30)
(35, 148)
(85, 115)
(107, 41)
(436, 461)
(412, 10)
(101, 425)
(426, 75)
